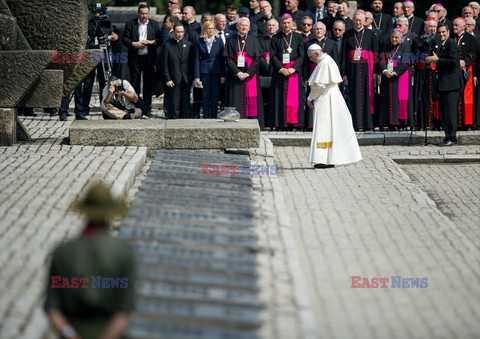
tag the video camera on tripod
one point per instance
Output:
(101, 35)
(427, 44)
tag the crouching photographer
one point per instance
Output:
(120, 101)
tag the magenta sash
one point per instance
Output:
(251, 89)
(368, 55)
(292, 99)
(403, 82)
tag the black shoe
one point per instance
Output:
(51, 111)
(323, 166)
(80, 117)
(447, 143)
(63, 117)
(128, 116)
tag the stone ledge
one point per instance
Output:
(436, 159)
(171, 134)
(378, 138)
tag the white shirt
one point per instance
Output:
(127, 103)
(222, 35)
(142, 35)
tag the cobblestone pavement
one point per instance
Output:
(39, 182)
(455, 189)
(369, 219)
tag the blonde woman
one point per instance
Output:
(209, 68)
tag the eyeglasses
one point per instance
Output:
(470, 24)
(306, 24)
(437, 10)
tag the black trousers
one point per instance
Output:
(143, 66)
(79, 109)
(448, 104)
(177, 101)
(88, 86)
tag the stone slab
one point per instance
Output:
(211, 134)
(9, 33)
(145, 133)
(172, 134)
(8, 126)
(46, 92)
(19, 71)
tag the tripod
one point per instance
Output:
(419, 104)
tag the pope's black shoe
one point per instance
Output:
(323, 166)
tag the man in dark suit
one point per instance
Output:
(446, 58)
(176, 64)
(318, 12)
(414, 22)
(142, 37)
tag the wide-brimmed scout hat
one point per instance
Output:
(99, 204)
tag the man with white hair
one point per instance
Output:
(359, 47)
(242, 90)
(476, 9)
(441, 15)
(470, 26)
(287, 54)
(414, 22)
(333, 141)
(468, 55)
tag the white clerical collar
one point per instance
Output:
(178, 41)
(140, 23)
(409, 17)
(370, 27)
(358, 30)
(242, 36)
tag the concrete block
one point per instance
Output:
(211, 134)
(8, 127)
(403, 139)
(46, 92)
(19, 70)
(146, 133)
(173, 134)
(370, 139)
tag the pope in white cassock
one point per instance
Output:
(334, 141)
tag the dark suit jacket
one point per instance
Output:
(177, 62)
(383, 21)
(131, 35)
(448, 67)
(468, 49)
(416, 25)
(204, 62)
(312, 13)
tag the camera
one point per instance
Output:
(427, 43)
(119, 88)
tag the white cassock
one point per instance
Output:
(334, 141)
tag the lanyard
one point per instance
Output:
(379, 21)
(289, 49)
(241, 49)
(359, 44)
(394, 53)
(460, 39)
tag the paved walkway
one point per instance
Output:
(39, 182)
(371, 220)
(376, 218)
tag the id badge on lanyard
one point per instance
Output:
(286, 58)
(357, 56)
(241, 61)
(390, 65)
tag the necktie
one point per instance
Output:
(319, 15)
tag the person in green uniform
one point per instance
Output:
(90, 290)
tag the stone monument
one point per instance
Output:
(32, 33)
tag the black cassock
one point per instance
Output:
(236, 90)
(393, 96)
(360, 75)
(281, 94)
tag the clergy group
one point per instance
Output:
(400, 70)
